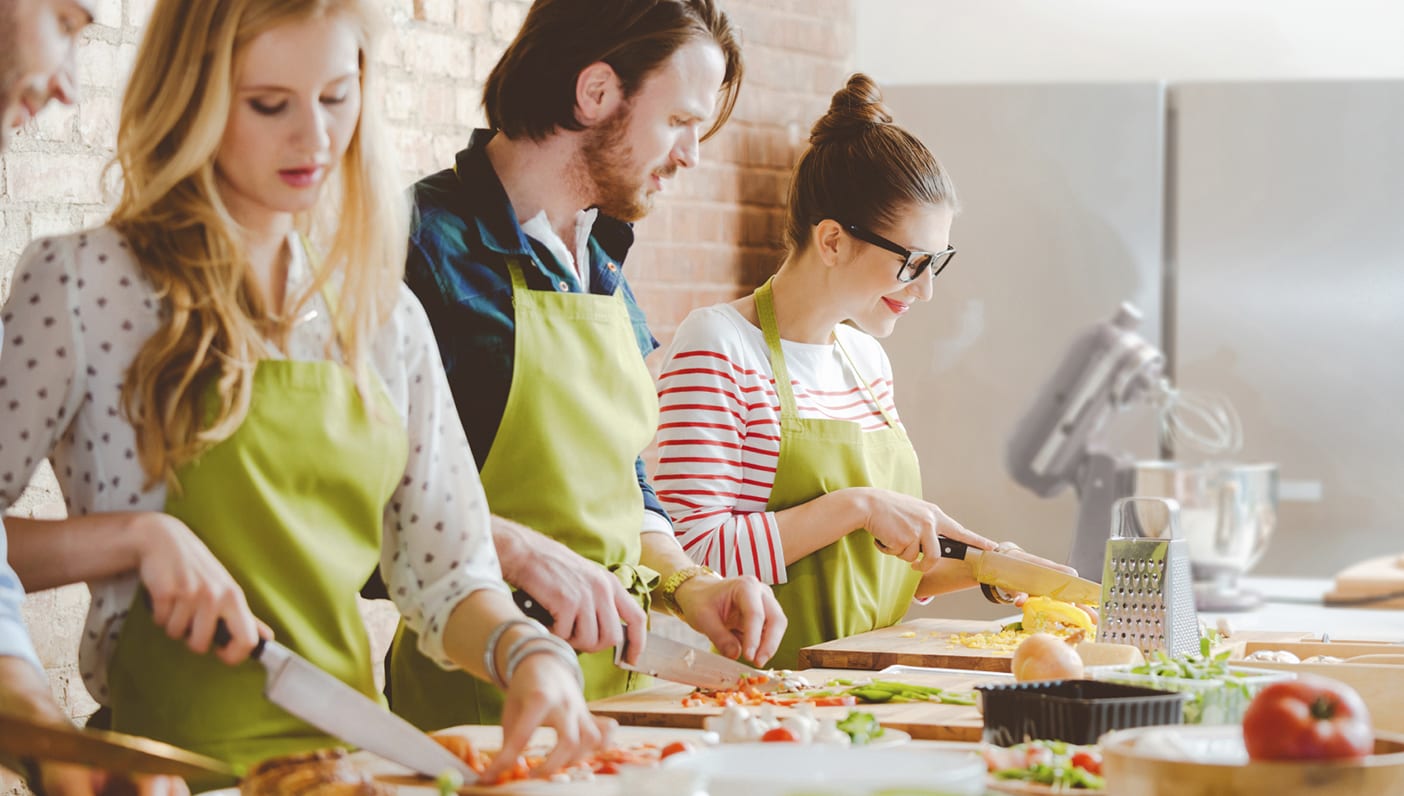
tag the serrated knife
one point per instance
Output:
(1016, 574)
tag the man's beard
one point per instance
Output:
(610, 167)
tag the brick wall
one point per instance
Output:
(715, 236)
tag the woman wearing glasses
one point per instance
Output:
(786, 460)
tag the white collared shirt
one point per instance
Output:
(79, 311)
(539, 228)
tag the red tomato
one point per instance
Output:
(1088, 761)
(778, 734)
(1310, 718)
(676, 747)
(607, 768)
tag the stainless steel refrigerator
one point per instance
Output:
(1260, 229)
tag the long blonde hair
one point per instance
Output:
(214, 323)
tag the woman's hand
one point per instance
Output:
(544, 692)
(191, 591)
(907, 527)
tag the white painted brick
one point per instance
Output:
(138, 11)
(428, 53)
(445, 147)
(103, 64)
(440, 12)
(470, 108)
(439, 106)
(398, 12)
(76, 700)
(107, 13)
(485, 56)
(46, 222)
(97, 122)
(14, 235)
(49, 176)
(95, 218)
(473, 16)
(505, 19)
(400, 95)
(54, 123)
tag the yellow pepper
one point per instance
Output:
(1047, 615)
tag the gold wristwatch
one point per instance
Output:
(671, 584)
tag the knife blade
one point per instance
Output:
(109, 751)
(667, 659)
(304, 690)
(1017, 574)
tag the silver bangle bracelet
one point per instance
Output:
(494, 639)
(531, 645)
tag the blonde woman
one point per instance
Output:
(245, 410)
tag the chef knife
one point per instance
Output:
(301, 688)
(109, 751)
(304, 690)
(672, 660)
(1016, 574)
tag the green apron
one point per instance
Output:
(849, 586)
(292, 504)
(580, 409)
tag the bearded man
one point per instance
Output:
(517, 255)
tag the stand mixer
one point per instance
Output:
(1228, 511)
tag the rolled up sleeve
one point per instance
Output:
(438, 545)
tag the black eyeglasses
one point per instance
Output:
(914, 262)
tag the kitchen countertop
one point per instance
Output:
(1295, 604)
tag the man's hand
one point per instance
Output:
(588, 603)
(739, 615)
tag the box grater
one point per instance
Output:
(1147, 591)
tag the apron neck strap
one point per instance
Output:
(514, 270)
(765, 308)
(891, 421)
(329, 297)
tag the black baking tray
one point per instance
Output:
(1075, 711)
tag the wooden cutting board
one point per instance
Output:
(661, 705)
(919, 642)
(1375, 583)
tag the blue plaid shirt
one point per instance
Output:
(464, 231)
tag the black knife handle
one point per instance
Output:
(222, 637)
(952, 548)
(221, 634)
(532, 608)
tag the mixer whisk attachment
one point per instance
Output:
(1195, 419)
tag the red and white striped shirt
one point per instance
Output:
(719, 430)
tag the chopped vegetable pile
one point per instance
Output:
(1054, 763)
(1217, 692)
(835, 693)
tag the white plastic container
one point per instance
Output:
(1211, 701)
(781, 769)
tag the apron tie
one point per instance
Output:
(638, 580)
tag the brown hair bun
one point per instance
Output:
(854, 109)
(861, 168)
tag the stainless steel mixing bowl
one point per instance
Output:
(1228, 512)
